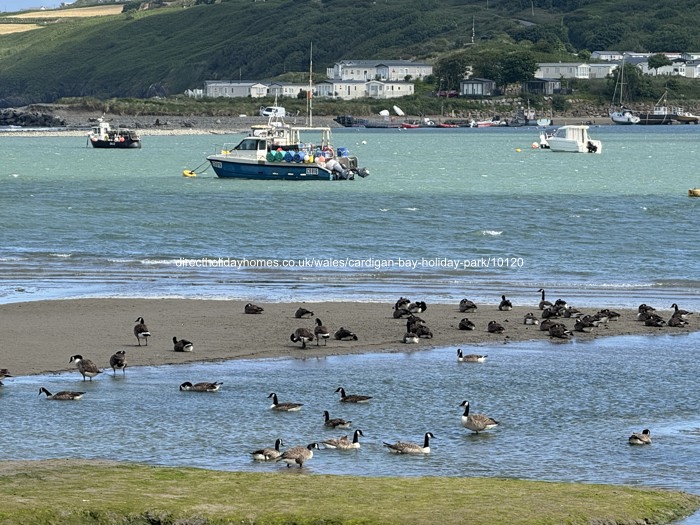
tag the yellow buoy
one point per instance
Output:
(188, 173)
(517, 150)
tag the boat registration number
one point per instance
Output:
(216, 164)
(312, 171)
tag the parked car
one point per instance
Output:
(272, 111)
(448, 94)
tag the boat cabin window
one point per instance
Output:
(251, 145)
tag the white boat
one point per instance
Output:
(572, 139)
(622, 115)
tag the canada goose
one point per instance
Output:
(284, 407)
(298, 455)
(676, 322)
(645, 308)
(251, 308)
(141, 331)
(64, 395)
(413, 322)
(355, 398)
(417, 307)
(302, 334)
(335, 422)
(200, 387)
(543, 302)
(268, 454)
(183, 345)
(343, 443)
(401, 312)
(410, 338)
(423, 331)
(303, 313)
(560, 331)
(495, 328)
(470, 358)
(118, 360)
(584, 324)
(408, 447)
(86, 367)
(683, 314)
(640, 438)
(343, 334)
(476, 422)
(610, 314)
(402, 304)
(572, 313)
(561, 303)
(466, 324)
(467, 306)
(4, 372)
(530, 319)
(655, 321)
(321, 332)
(546, 324)
(505, 305)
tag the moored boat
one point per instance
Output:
(622, 115)
(349, 121)
(694, 192)
(279, 151)
(685, 117)
(102, 135)
(571, 139)
(660, 114)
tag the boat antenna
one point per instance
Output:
(309, 95)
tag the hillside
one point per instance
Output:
(164, 51)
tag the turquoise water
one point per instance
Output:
(610, 228)
(615, 229)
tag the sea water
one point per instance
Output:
(445, 214)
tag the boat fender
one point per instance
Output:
(188, 173)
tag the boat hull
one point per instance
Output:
(231, 168)
(115, 144)
(650, 119)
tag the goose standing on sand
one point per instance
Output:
(141, 331)
(201, 387)
(354, 398)
(335, 422)
(303, 313)
(302, 335)
(183, 345)
(321, 332)
(505, 305)
(4, 372)
(118, 360)
(408, 447)
(466, 324)
(251, 308)
(343, 334)
(640, 438)
(86, 367)
(467, 306)
(343, 443)
(470, 358)
(495, 328)
(543, 302)
(476, 422)
(64, 395)
(284, 407)
(683, 314)
(268, 454)
(298, 455)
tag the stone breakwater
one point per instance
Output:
(29, 119)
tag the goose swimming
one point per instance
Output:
(268, 454)
(354, 398)
(408, 447)
(335, 422)
(640, 438)
(64, 395)
(470, 358)
(284, 407)
(200, 387)
(476, 422)
(343, 443)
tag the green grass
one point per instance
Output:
(84, 493)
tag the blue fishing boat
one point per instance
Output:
(279, 151)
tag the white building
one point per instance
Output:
(563, 70)
(353, 89)
(230, 88)
(391, 70)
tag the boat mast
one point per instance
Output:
(309, 96)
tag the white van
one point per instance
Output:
(272, 111)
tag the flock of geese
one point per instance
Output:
(550, 320)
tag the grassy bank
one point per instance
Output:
(69, 492)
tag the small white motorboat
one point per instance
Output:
(572, 139)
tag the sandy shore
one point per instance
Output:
(41, 336)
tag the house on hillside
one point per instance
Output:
(353, 89)
(232, 89)
(477, 87)
(609, 56)
(677, 68)
(602, 70)
(387, 70)
(542, 86)
(563, 70)
(287, 89)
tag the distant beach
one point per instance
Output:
(44, 334)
